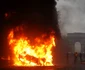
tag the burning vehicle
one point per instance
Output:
(30, 32)
(31, 52)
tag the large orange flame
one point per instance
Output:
(27, 54)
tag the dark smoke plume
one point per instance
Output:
(40, 16)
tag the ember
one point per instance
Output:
(25, 53)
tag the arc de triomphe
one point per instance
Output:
(76, 42)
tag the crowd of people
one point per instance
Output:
(78, 57)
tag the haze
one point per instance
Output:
(72, 16)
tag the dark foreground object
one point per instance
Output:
(41, 68)
(74, 67)
(35, 68)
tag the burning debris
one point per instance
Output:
(27, 54)
(31, 32)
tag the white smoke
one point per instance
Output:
(72, 16)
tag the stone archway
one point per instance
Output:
(77, 47)
(76, 42)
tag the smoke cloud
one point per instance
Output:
(71, 16)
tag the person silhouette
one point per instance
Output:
(75, 57)
(80, 56)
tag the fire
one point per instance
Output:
(27, 54)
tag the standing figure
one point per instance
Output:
(75, 57)
(80, 56)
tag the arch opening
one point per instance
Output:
(77, 47)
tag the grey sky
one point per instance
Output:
(72, 15)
